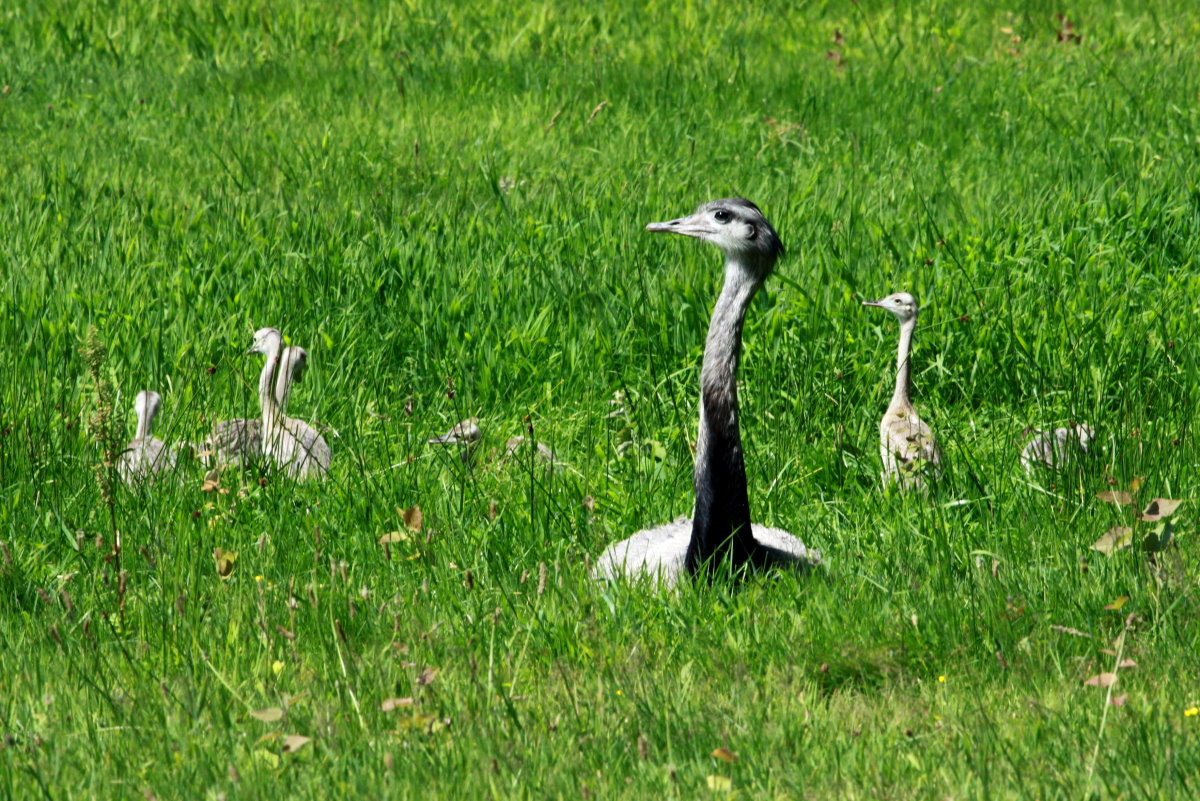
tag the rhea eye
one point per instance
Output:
(721, 216)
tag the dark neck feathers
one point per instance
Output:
(721, 519)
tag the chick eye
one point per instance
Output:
(721, 216)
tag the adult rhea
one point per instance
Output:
(719, 535)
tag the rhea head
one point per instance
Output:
(296, 361)
(266, 340)
(147, 402)
(901, 304)
(736, 226)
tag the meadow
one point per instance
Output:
(445, 205)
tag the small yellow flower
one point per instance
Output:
(619, 692)
(941, 679)
(258, 578)
(1191, 712)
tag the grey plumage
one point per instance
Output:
(239, 441)
(720, 531)
(515, 446)
(302, 451)
(232, 442)
(146, 454)
(909, 451)
(465, 434)
(1054, 449)
(293, 445)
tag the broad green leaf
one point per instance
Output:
(225, 561)
(1159, 537)
(719, 784)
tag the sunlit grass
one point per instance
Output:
(445, 207)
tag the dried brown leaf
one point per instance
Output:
(1159, 508)
(1126, 663)
(392, 537)
(395, 703)
(294, 742)
(1066, 32)
(1114, 539)
(724, 754)
(1101, 680)
(600, 107)
(1069, 630)
(427, 676)
(413, 518)
(1120, 497)
(1119, 700)
(270, 714)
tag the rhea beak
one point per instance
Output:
(872, 303)
(693, 226)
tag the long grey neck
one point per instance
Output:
(266, 400)
(285, 374)
(145, 417)
(900, 395)
(721, 519)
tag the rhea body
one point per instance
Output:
(293, 445)
(909, 451)
(719, 535)
(146, 454)
(312, 454)
(1055, 449)
(239, 441)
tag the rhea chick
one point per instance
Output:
(1054, 449)
(146, 454)
(909, 451)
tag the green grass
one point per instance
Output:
(419, 194)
